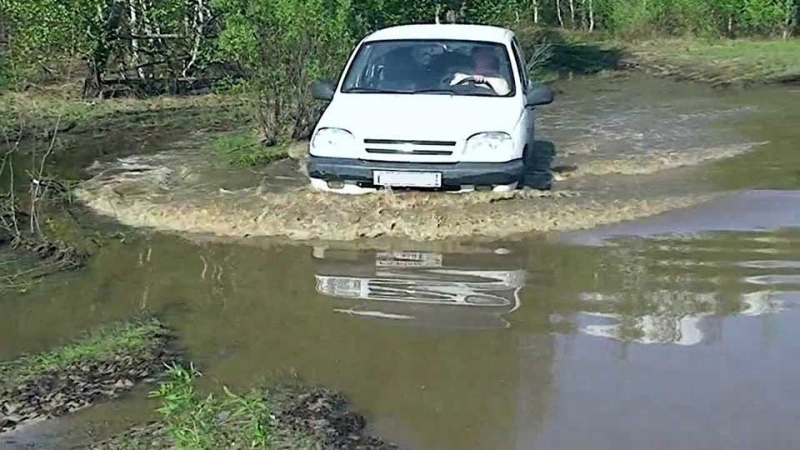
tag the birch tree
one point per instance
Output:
(559, 15)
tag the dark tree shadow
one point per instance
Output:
(559, 53)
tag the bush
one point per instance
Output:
(282, 46)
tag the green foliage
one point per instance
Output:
(259, 156)
(133, 39)
(196, 422)
(247, 150)
(622, 18)
(713, 18)
(50, 27)
(282, 46)
(6, 74)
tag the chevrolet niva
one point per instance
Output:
(443, 107)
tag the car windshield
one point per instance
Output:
(431, 67)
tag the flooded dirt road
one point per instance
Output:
(641, 147)
(679, 330)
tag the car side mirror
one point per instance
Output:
(323, 90)
(540, 95)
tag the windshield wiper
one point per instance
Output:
(434, 91)
(369, 90)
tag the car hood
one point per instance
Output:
(420, 116)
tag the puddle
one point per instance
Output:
(522, 344)
(739, 211)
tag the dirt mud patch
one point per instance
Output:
(326, 414)
(100, 366)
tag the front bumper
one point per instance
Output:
(454, 175)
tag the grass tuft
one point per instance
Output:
(208, 422)
(129, 339)
(247, 150)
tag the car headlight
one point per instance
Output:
(332, 140)
(494, 142)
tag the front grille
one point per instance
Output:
(388, 151)
(412, 142)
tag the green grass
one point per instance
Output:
(126, 339)
(197, 422)
(37, 112)
(246, 150)
(723, 61)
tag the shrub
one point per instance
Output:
(282, 46)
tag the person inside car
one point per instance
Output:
(485, 71)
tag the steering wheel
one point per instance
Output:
(472, 80)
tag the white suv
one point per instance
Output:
(427, 106)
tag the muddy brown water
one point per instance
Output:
(675, 331)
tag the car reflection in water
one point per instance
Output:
(452, 290)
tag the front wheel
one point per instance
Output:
(537, 162)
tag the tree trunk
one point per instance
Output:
(134, 25)
(536, 12)
(93, 84)
(572, 13)
(591, 15)
(791, 23)
(199, 23)
(558, 11)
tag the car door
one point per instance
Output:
(527, 115)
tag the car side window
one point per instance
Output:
(522, 67)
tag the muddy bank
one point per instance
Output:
(296, 417)
(100, 366)
(325, 414)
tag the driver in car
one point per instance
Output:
(485, 71)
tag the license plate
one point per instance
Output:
(408, 259)
(407, 179)
(349, 287)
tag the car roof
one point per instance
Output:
(483, 33)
